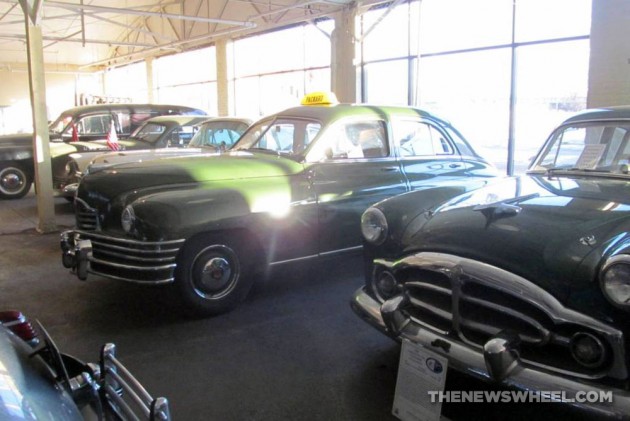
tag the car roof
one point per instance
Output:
(233, 119)
(330, 113)
(621, 112)
(173, 109)
(178, 119)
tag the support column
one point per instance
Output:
(224, 73)
(41, 139)
(150, 87)
(343, 67)
(609, 65)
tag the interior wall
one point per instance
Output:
(15, 104)
(609, 74)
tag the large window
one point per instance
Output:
(188, 78)
(274, 70)
(128, 82)
(458, 59)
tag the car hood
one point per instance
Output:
(184, 172)
(551, 231)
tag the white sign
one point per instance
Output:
(590, 156)
(420, 372)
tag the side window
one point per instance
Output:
(279, 137)
(417, 138)
(96, 124)
(365, 139)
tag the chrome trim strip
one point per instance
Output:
(137, 258)
(131, 267)
(139, 251)
(471, 361)
(339, 251)
(314, 256)
(297, 259)
(88, 234)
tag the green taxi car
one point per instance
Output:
(525, 282)
(291, 189)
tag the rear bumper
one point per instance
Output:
(122, 259)
(497, 362)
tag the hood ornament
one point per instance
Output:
(588, 240)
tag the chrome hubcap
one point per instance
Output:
(11, 181)
(216, 274)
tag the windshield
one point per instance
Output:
(58, 125)
(594, 147)
(283, 135)
(218, 134)
(149, 132)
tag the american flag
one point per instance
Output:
(112, 138)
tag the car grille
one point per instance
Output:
(86, 216)
(132, 260)
(472, 302)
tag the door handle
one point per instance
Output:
(455, 165)
(389, 169)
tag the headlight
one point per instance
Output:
(374, 226)
(127, 218)
(615, 280)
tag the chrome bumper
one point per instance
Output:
(122, 259)
(498, 362)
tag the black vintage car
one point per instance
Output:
(37, 382)
(525, 282)
(73, 131)
(173, 132)
(290, 190)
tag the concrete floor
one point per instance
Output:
(293, 350)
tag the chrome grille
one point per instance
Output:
(86, 217)
(131, 260)
(473, 302)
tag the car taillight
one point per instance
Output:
(17, 322)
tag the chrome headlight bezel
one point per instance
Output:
(614, 281)
(128, 219)
(374, 227)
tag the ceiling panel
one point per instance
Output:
(92, 34)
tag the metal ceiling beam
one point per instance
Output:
(87, 41)
(104, 9)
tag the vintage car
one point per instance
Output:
(173, 133)
(292, 188)
(73, 131)
(37, 382)
(215, 135)
(524, 282)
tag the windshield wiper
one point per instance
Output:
(576, 169)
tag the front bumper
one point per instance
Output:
(498, 361)
(144, 262)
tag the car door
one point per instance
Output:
(358, 169)
(428, 156)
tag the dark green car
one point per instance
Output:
(525, 282)
(291, 189)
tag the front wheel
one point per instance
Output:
(213, 275)
(15, 181)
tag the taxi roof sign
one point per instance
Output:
(319, 98)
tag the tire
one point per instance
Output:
(15, 181)
(214, 273)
